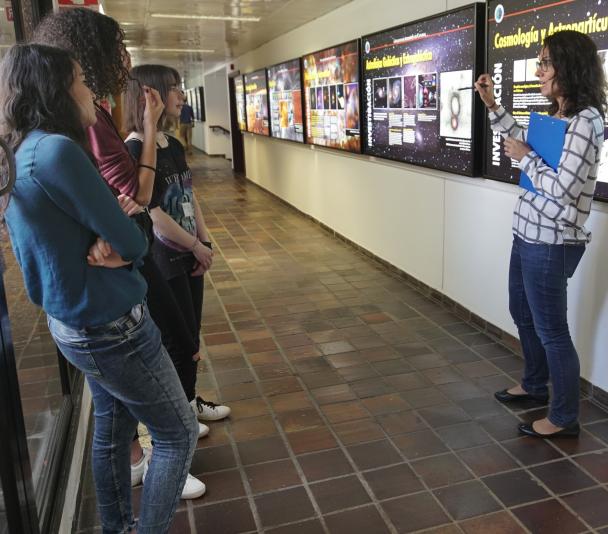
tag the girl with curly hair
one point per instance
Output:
(97, 41)
(548, 225)
(58, 209)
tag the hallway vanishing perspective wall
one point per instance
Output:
(451, 232)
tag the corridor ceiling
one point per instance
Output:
(184, 39)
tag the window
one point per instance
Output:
(39, 391)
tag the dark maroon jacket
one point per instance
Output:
(114, 162)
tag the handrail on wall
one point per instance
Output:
(220, 128)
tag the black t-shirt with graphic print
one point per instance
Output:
(173, 194)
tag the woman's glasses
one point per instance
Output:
(543, 64)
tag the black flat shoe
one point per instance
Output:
(505, 397)
(571, 431)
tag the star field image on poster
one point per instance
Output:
(456, 108)
(417, 105)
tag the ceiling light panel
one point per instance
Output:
(224, 18)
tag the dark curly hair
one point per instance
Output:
(96, 41)
(35, 83)
(578, 72)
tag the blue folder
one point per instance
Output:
(546, 136)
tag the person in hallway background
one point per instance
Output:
(548, 226)
(60, 215)
(97, 42)
(186, 123)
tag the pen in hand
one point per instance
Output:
(472, 87)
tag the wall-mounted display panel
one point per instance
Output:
(239, 96)
(285, 96)
(201, 100)
(256, 102)
(191, 100)
(331, 97)
(515, 33)
(197, 104)
(418, 101)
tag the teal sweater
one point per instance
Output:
(58, 208)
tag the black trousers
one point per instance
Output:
(173, 306)
(188, 293)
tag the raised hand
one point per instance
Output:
(485, 87)
(154, 108)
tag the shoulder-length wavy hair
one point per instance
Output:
(159, 77)
(96, 41)
(579, 72)
(35, 83)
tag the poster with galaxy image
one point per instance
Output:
(331, 97)
(256, 102)
(457, 108)
(516, 29)
(285, 96)
(417, 80)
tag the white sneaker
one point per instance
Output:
(138, 469)
(209, 411)
(203, 430)
(193, 488)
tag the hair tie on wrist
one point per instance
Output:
(147, 167)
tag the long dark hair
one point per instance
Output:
(96, 41)
(35, 82)
(159, 77)
(578, 72)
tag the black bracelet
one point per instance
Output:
(147, 167)
(207, 244)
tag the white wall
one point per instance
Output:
(213, 142)
(451, 232)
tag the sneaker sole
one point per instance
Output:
(216, 418)
(194, 495)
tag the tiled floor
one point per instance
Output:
(358, 404)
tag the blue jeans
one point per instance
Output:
(538, 282)
(132, 379)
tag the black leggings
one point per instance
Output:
(176, 308)
(188, 293)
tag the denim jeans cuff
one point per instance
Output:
(532, 390)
